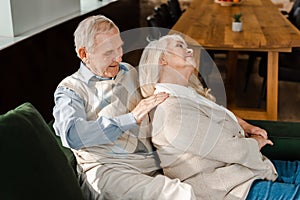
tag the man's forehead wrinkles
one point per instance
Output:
(111, 42)
(109, 35)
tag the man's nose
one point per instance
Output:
(118, 58)
(117, 55)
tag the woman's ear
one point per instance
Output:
(163, 60)
(82, 54)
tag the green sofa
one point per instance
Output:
(34, 165)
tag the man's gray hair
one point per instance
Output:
(84, 35)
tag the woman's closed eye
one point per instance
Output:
(181, 45)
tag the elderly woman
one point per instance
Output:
(205, 144)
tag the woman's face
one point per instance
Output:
(178, 55)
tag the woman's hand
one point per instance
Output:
(261, 141)
(252, 130)
(255, 132)
(146, 105)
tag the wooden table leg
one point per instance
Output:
(272, 86)
(271, 111)
(230, 85)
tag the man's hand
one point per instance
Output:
(146, 105)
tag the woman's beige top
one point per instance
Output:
(202, 144)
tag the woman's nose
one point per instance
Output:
(189, 51)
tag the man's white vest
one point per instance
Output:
(111, 98)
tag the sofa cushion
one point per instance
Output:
(32, 164)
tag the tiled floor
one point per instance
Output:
(289, 92)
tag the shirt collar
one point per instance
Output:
(181, 92)
(174, 89)
(87, 75)
(188, 92)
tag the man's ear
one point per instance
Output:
(82, 54)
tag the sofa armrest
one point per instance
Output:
(34, 167)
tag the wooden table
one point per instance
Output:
(264, 29)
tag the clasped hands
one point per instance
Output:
(259, 134)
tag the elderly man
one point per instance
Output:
(99, 114)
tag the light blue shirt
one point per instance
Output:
(70, 118)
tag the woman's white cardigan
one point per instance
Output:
(202, 144)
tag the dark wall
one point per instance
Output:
(32, 68)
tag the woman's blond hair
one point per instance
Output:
(149, 67)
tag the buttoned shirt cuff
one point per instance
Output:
(127, 121)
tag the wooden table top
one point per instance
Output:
(264, 27)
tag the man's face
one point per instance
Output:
(104, 60)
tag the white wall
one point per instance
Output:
(6, 26)
(20, 16)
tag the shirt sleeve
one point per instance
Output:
(73, 128)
